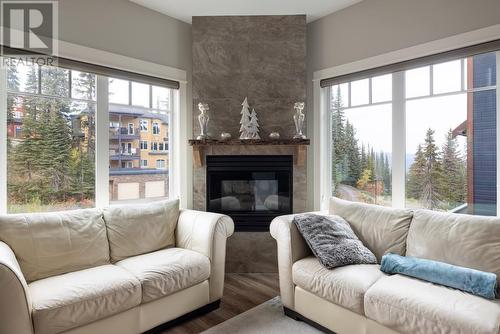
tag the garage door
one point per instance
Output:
(128, 191)
(155, 189)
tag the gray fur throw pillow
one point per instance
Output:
(332, 241)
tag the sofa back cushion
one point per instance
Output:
(49, 244)
(140, 228)
(381, 229)
(462, 240)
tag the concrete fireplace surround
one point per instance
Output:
(262, 58)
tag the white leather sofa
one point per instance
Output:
(124, 269)
(360, 299)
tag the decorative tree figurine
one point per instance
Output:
(245, 119)
(253, 126)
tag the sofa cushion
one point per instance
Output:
(409, 305)
(344, 286)
(381, 229)
(462, 240)
(48, 244)
(78, 298)
(164, 272)
(140, 228)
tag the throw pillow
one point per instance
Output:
(332, 240)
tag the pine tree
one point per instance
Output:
(12, 85)
(352, 153)
(84, 84)
(452, 189)
(371, 165)
(432, 176)
(387, 175)
(416, 174)
(339, 169)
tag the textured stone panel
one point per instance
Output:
(262, 58)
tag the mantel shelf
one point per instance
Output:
(300, 145)
(208, 142)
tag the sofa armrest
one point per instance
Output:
(15, 305)
(291, 248)
(206, 233)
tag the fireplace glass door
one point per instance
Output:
(251, 189)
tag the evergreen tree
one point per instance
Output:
(84, 85)
(339, 168)
(453, 180)
(416, 174)
(12, 85)
(352, 153)
(387, 175)
(432, 176)
(371, 165)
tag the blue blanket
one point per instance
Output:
(469, 280)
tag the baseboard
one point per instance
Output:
(193, 314)
(299, 317)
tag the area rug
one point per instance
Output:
(266, 318)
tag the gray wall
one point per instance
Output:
(374, 27)
(122, 27)
(259, 57)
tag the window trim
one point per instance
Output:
(180, 165)
(318, 163)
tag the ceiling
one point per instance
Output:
(184, 9)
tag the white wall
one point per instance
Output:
(375, 27)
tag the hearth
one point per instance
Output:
(251, 189)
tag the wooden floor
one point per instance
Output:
(241, 293)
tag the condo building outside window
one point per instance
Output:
(52, 139)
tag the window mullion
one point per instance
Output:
(3, 141)
(102, 144)
(398, 140)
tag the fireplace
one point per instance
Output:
(251, 189)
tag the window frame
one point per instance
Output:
(153, 127)
(102, 126)
(323, 136)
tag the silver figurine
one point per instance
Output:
(299, 118)
(203, 119)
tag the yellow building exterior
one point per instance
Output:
(138, 139)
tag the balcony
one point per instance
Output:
(124, 133)
(127, 155)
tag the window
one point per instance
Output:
(140, 110)
(127, 164)
(140, 94)
(156, 128)
(448, 114)
(119, 91)
(161, 98)
(51, 139)
(54, 159)
(160, 164)
(362, 141)
(144, 125)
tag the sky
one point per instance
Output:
(373, 124)
(119, 92)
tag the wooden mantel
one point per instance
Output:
(199, 145)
